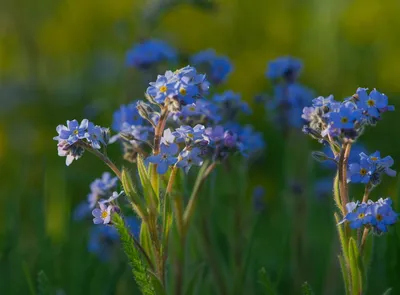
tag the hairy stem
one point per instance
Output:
(343, 161)
(102, 157)
(203, 174)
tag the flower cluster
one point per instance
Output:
(74, 138)
(103, 238)
(217, 67)
(101, 188)
(103, 214)
(376, 215)
(369, 169)
(289, 96)
(328, 118)
(148, 53)
(183, 86)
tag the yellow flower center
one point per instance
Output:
(104, 214)
(190, 135)
(192, 109)
(361, 215)
(344, 120)
(371, 102)
(76, 132)
(379, 217)
(363, 172)
(374, 158)
(163, 88)
(182, 91)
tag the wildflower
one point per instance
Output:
(113, 197)
(102, 215)
(165, 158)
(219, 66)
(101, 187)
(102, 238)
(188, 134)
(344, 118)
(373, 104)
(167, 138)
(321, 101)
(284, 67)
(148, 53)
(95, 135)
(125, 117)
(360, 172)
(72, 152)
(189, 157)
(214, 135)
(160, 89)
(359, 214)
(383, 215)
(73, 131)
(381, 163)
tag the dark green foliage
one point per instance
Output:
(139, 268)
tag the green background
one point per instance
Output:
(61, 60)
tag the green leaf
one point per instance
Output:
(43, 284)
(145, 241)
(139, 268)
(356, 279)
(195, 280)
(306, 289)
(264, 280)
(388, 292)
(342, 239)
(131, 192)
(345, 274)
(149, 194)
(336, 194)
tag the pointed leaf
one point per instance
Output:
(131, 192)
(306, 289)
(148, 191)
(139, 267)
(356, 279)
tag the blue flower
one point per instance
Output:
(113, 197)
(160, 89)
(308, 113)
(149, 52)
(284, 67)
(380, 163)
(359, 214)
(101, 240)
(165, 158)
(188, 134)
(360, 172)
(321, 101)
(214, 135)
(72, 152)
(345, 117)
(250, 141)
(102, 215)
(374, 103)
(95, 135)
(73, 131)
(167, 138)
(125, 117)
(101, 188)
(219, 66)
(383, 215)
(189, 157)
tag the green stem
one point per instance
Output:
(102, 157)
(201, 177)
(343, 161)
